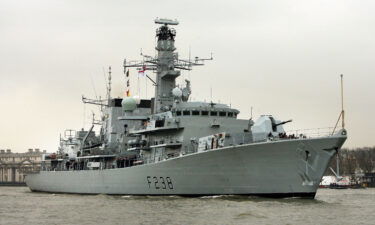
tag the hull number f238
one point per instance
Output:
(159, 182)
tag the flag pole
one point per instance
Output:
(342, 102)
(341, 116)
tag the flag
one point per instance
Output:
(127, 73)
(142, 71)
(127, 83)
(127, 93)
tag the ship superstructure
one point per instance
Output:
(168, 145)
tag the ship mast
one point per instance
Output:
(166, 74)
(166, 65)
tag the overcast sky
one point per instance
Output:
(281, 57)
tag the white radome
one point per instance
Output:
(177, 92)
(129, 104)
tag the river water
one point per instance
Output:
(20, 206)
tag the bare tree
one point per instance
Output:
(352, 159)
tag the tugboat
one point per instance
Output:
(170, 145)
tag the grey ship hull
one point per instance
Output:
(277, 168)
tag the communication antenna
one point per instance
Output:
(138, 86)
(251, 112)
(146, 86)
(211, 93)
(84, 116)
(93, 87)
(189, 55)
(93, 117)
(342, 102)
(105, 79)
(109, 82)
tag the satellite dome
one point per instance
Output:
(177, 92)
(129, 104)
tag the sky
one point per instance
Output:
(277, 57)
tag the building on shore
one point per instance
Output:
(14, 166)
(367, 179)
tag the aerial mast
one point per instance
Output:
(342, 113)
(166, 65)
(166, 73)
(342, 102)
(109, 88)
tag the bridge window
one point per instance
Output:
(213, 113)
(186, 113)
(230, 114)
(159, 123)
(222, 113)
(204, 113)
(195, 113)
(178, 113)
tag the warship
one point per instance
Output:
(170, 145)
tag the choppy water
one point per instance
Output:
(20, 206)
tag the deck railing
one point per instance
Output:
(312, 133)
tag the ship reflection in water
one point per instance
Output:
(350, 206)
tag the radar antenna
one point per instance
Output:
(166, 21)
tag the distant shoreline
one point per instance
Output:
(12, 184)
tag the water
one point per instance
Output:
(20, 206)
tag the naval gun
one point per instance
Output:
(267, 126)
(275, 125)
